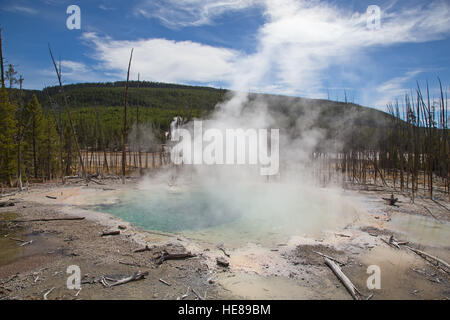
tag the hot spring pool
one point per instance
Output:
(228, 214)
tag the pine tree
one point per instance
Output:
(8, 125)
(50, 147)
(35, 134)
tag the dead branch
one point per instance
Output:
(196, 294)
(7, 204)
(136, 276)
(342, 235)
(8, 195)
(26, 243)
(49, 219)
(431, 214)
(346, 281)
(48, 292)
(434, 260)
(441, 205)
(393, 243)
(331, 258)
(184, 296)
(51, 197)
(174, 256)
(165, 282)
(131, 264)
(97, 182)
(110, 233)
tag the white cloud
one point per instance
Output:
(165, 60)
(395, 88)
(74, 71)
(297, 45)
(301, 40)
(21, 9)
(182, 13)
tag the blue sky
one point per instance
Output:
(303, 48)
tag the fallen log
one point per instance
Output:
(97, 182)
(26, 243)
(431, 214)
(71, 177)
(110, 233)
(440, 204)
(174, 256)
(49, 219)
(331, 258)
(7, 204)
(346, 281)
(137, 276)
(51, 197)
(7, 195)
(435, 260)
(343, 235)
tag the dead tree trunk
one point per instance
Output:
(124, 133)
(80, 157)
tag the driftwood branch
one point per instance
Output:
(197, 295)
(165, 282)
(331, 258)
(431, 214)
(48, 292)
(346, 281)
(174, 256)
(49, 219)
(111, 233)
(137, 276)
(430, 258)
(7, 204)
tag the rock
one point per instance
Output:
(122, 227)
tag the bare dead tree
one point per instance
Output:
(58, 73)
(125, 129)
(1, 60)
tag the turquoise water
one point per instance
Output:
(172, 212)
(233, 213)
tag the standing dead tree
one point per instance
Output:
(69, 117)
(1, 60)
(125, 127)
